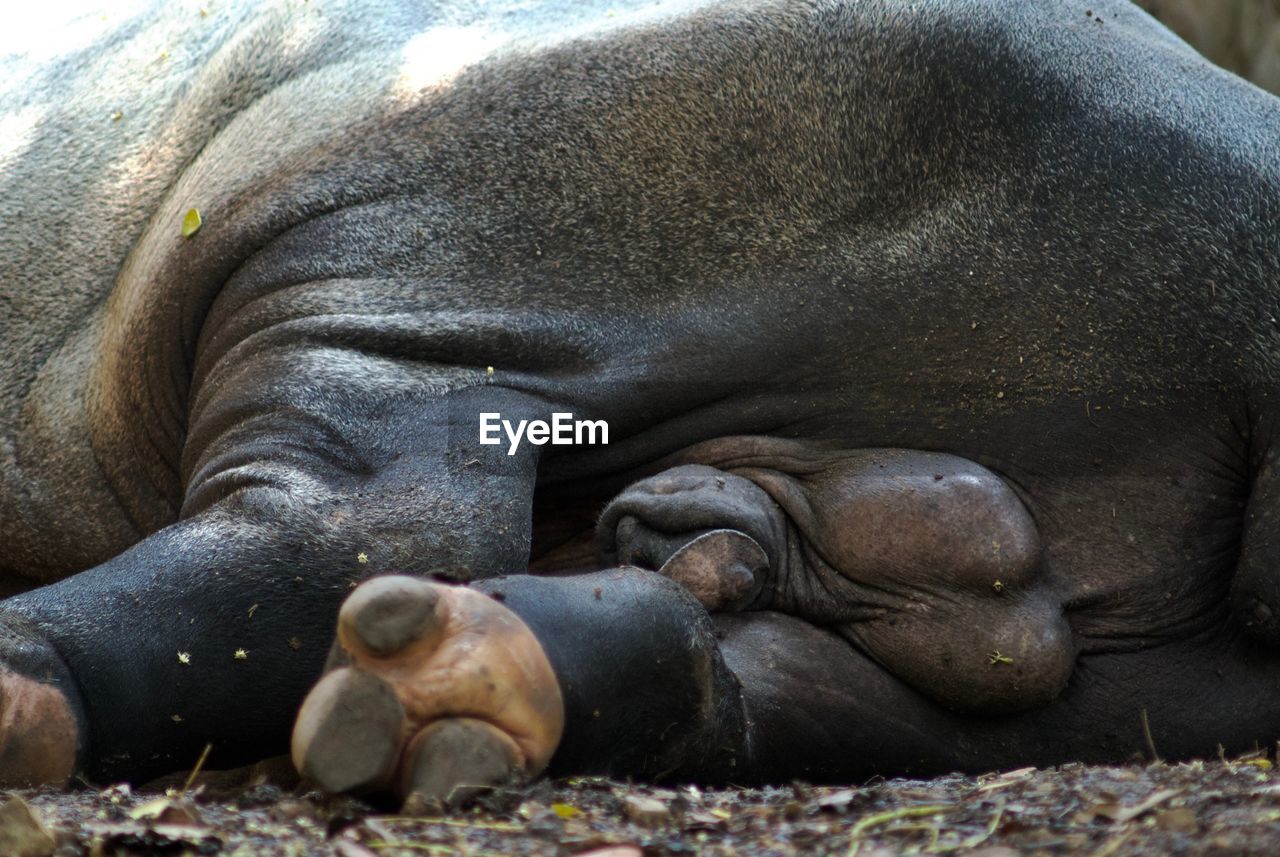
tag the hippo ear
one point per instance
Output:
(723, 569)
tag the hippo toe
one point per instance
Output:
(42, 721)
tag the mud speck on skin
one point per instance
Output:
(1189, 809)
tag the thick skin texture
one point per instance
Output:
(823, 251)
(926, 562)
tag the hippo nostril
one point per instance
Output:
(636, 543)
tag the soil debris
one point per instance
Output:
(1214, 807)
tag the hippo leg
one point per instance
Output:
(212, 629)
(655, 687)
(41, 715)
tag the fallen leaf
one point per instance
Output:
(646, 811)
(179, 813)
(191, 222)
(150, 809)
(703, 821)
(1121, 814)
(565, 810)
(347, 848)
(1007, 779)
(839, 800)
(21, 833)
(117, 792)
(1178, 820)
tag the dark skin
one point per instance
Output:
(1042, 246)
(927, 563)
(797, 646)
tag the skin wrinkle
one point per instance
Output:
(221, 306)
(1040, 189)
(820, 565)
(875, 596)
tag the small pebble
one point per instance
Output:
(646, 811)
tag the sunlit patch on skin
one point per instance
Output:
(17, 131)
(435, 57)
(301, 36)
(42, 30)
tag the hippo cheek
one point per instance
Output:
(977, 653)
(931, 565)
(925, 519)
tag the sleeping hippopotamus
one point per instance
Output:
(936, 345)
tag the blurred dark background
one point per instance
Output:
(1241, 35)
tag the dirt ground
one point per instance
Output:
(1216, 807)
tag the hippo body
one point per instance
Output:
(1028, 249)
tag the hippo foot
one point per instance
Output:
(41, 718)
(433, 690)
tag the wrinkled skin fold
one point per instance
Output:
(937, 344)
